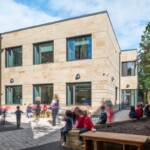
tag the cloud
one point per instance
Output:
(15, 15)
(129, 18)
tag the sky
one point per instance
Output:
(129, 17)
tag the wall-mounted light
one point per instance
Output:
(77, 76)
(112, 78)
(128, 85)
(11, 80)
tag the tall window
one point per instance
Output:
(128, 69)
(14, 57)
(79, 48)
(14, 94)
(128, 97)
(45, 91)
(43, 53)
(79, 94)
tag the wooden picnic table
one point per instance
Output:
(95, 140)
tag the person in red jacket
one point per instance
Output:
(80, 119)
(88, 126)
(138, 111)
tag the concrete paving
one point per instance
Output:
(36, 136)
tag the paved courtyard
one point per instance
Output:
(33, 136)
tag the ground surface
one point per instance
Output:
(139, 128)
(33, 136)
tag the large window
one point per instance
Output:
(128, 98)
(43, 53)
(128, 69)
(79, 48)
(45, 91)
(14, 57)
(79, 94)
(14, 95)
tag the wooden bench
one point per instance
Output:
(99, 140)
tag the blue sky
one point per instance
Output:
(129, 17)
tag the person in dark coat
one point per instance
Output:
(147, 110)
(132, 113)
(103, 116)
(18, 113)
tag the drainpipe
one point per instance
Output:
(0, 69)
(120, 80)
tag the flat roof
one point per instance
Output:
(125, 50)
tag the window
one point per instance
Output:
(43, 53)
(14, 57)
(128, 69)
(14, 95)
(79, 94)
(128, 97)
(79, 48)
(45, 91)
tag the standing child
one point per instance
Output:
(29, 111)
(132, 114)
(38, 112)
(68, 126)
(103, 116)
(18, 113)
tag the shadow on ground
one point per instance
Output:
(50, 146)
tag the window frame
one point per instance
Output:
(74, 37)
(11, 49)
(38, 43)
(33, 100)
(7, 86)
(134, 68)
(74, 101)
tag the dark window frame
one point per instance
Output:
(7, 86)
(38, 43)
(33, 100)
(11, 48)
(134, 68)
(75, 37)
(74, 83)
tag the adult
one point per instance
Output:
(147, 110)
(55, 108)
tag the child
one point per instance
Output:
(18, 113)
(88, 126)
(110, 113)
(138, 111)
(141, 107)
(147, 110)
(132, 114)
(80, 122)
(29, 111)
(68, 125)
(38, 112)
(103, 116)
(75, 116)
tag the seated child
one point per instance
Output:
(88, 126)
(132, 114)
(74, 114)
(80, 119)
(147, 110)
(68, 126)
(138, 111)
(103, 116)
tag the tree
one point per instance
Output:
(144, 60)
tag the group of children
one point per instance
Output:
(139, 111)
(77, 119)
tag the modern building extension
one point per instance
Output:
(77, 58)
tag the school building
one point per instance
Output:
(78, 58)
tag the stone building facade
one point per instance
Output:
(77, 58)
(129, 77)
